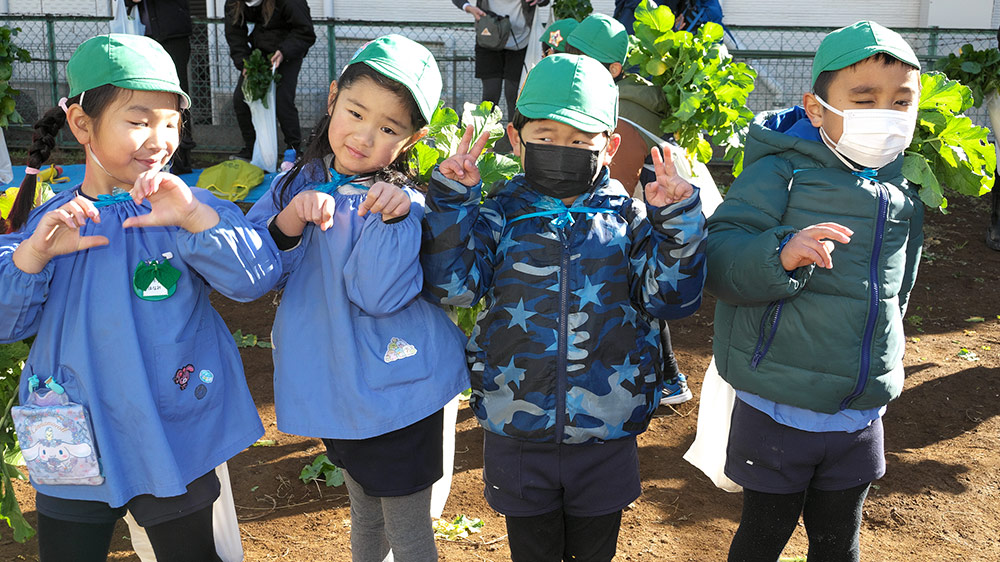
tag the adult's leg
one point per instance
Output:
(286, 112)
(491, 89)
(60, 540)
(767, 522)
(408, 526)
(243, 118)
(368, 540)
(190, 538)
(833, 522)
(592, 539)
(539, 538)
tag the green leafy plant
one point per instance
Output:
(576, 9)
(250, 340)
(9, 54)
(947, 149)
(259, 77)
(979, 70)
(458, 528)
(12, 358)
(706, 91)
(322, 469)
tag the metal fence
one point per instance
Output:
(781, 56)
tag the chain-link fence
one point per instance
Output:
(782, 57)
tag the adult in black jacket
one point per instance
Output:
(169, 23)
(283, 31)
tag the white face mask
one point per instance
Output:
(872, 137)
(253, 3)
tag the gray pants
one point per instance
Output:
(384, 529)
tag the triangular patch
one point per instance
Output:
(398, 349)
(155, 289)
(486, 32)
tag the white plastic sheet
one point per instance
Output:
(125, 21)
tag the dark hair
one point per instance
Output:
(237, 9)
(822, 86)
(398, 172)
(43, 140)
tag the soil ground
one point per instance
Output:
(940, 499)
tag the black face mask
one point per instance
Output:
(560, 171)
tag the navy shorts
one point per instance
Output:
(148, 510)
(524, 479)
(766, 456)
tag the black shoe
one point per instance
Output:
(245, 154)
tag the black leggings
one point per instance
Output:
(555, 536)
(670, 369)
(832, 521)
(491, 92)
(187, 539)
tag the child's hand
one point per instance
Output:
(307, 207)
(58, 233)
(462, 166)
(385, 198)
(173, 204)
(810, 245)
(668, 187)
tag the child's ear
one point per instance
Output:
(614, 141)
(515, 139)
(616, 69)
(814, 109)
(333, 96)
(80, 124)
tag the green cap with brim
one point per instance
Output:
(408, 63)
(854, 43)
(556, 33)
(132, 62)
(601, 37)
(571, 89)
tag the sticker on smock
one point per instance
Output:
(398, 349)
(155, 280)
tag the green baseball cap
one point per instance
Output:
(132, 62)
(571, 89)
(408, 63)
(601, 37)
(854, 43)
(556, 33)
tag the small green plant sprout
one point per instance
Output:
(576, 9)
(975, 319)
(9, 54)
(322, 469)
(706, 91)
(249, 340)
(968, 354)
(458, 528)
(258, 77)
(979, 70)
(947, 149)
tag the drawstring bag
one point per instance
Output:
(127, 20)
(55, 437)
(492, 30)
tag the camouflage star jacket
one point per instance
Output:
(566, 349)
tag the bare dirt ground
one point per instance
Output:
(940, 499)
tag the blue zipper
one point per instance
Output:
(772, 313)
(873, 281)
(563, 337)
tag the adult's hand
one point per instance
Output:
(475, 11)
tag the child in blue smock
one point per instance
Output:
(360, 359)
(115, 286)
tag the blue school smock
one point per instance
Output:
(162, 380)
(357, 352)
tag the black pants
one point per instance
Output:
(285, 110)
(555, 536)
(832, 521)
(179, 49)
(187, 539)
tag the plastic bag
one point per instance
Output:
(265, 123)
(442, 488)
(127, 21)
(6, 169)
(227, 531)
(715, 412)
(534, 52)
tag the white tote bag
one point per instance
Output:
(265, 124)
(715, 412)
(126, 21)
(442, 488)
(224, 523)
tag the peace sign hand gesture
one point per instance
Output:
(669, 187)
(58, 233)
(461, 167)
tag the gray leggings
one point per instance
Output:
(390, 528)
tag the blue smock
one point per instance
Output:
(162, 380)
(357, 352)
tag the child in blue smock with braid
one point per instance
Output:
(360, 359)
(113, 278)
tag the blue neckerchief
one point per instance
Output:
(117, 196)
(336, 180)
(867, 173)
(562, 216)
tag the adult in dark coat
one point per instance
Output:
(169, 23)
(283, 31)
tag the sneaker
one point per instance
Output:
(675, 391)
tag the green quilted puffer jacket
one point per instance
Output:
(822, 339)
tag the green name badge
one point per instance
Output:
(155, 280)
